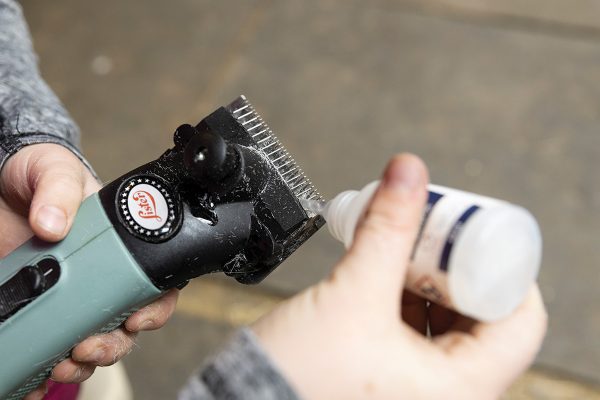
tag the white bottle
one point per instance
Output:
(474, 254)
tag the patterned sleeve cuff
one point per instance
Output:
(10, 144)
(241, 371)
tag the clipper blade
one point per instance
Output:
(271, 147)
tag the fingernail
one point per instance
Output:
(404, 175)
(52, 219)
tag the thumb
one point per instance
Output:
(57, 193)
(385, 237)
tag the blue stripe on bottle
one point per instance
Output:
(432, 199)
(453, 235)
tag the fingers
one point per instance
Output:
(48, 182)
(154, 315)
(39, 393)
(61, 184)
(385, 237)
(107, 349)
(507, 340)
(69, 371)
(100, 350)
(501, 350)
(58, 192)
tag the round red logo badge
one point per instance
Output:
(148, 208)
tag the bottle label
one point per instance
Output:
(432, 199)
(453, 235)
(446, 214)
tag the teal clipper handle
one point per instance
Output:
(91, 285)
(225, 198)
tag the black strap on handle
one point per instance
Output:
(26, 285)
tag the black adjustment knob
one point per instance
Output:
(183, 134)
(212, 162)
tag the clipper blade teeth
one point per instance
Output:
(267, 142)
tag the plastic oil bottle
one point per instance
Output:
(474, 254)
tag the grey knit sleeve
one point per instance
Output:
(29, 111)
(242, 371)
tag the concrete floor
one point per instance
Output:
(500, 99)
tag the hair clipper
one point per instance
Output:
(227, 197)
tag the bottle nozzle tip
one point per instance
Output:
(316, 207)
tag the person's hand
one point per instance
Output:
(344, 338)
(41, 188)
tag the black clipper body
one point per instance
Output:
(237, 192)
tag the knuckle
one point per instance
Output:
(159, 311)
(55, 165)
(117, 345)
(153, 310)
